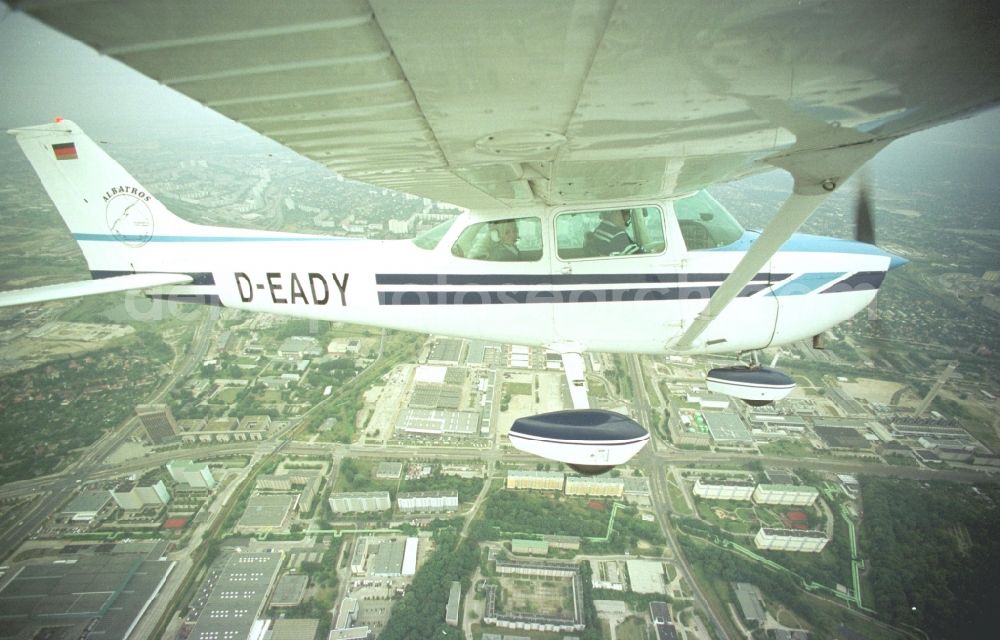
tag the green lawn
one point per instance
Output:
(633, 629)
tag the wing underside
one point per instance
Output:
(488, 104)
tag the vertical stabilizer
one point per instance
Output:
(110, 214)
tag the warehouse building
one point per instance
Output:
(236, 598)
(438, 422)
(266, 513)
(86, 506)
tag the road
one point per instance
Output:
(51, 492)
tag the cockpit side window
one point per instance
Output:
(610, 232)
(704, 223)
(509, 240)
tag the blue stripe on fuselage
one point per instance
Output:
(806, 283)
(107, 237)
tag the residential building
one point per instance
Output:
(724, 488)
(427, 501)
(785, 494)
(543, 480)
(790, 540)
(594, 486)
(361, 502)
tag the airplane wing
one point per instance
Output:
(91, 287)
(489, 104)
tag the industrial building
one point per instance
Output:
(728, 428)
(537, 568)
(410, 556)
(520, 547)
(662, 621)
(195, 475)
(645, 576)
(235, 600)
(751, 602)
(86, 506)
(157, 422)
(785, 494)
(543, 480)
(294, 629)
(96, 596)
(297, 347)
(594, 486)
(790, 540)
(387, 558)
(289, 591)
(438, 422)
(266, 513)
(454, 602)
(426, 501)
(250, 428)
(445, 351)
(724, 488)
(133, 497)
(362, 502)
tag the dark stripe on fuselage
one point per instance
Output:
(860, 281)
(492, 279)
(413, 298)
(191, 298)
(196, 278)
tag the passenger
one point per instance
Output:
(610, 238)
(504, 248)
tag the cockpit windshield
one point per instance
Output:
(704, 223)
(430, 238)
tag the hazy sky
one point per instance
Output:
(45, 74)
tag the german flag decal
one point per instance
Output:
(65, 151)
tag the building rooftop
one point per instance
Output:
(103, 594)
(294, 629)
(289, 591)
(267, 511)
(236, 596)
(727, 427)
(388, 559)
(87, 502)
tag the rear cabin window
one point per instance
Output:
(508, 240)
(610, 232)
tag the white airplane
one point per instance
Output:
(580, 136)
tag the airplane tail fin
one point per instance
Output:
(109, 213)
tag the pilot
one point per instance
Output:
(610, 238)
(504, 235)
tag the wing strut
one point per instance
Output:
(810, 190)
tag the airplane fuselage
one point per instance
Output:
(638, 303)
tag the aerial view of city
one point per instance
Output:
(180, 471)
